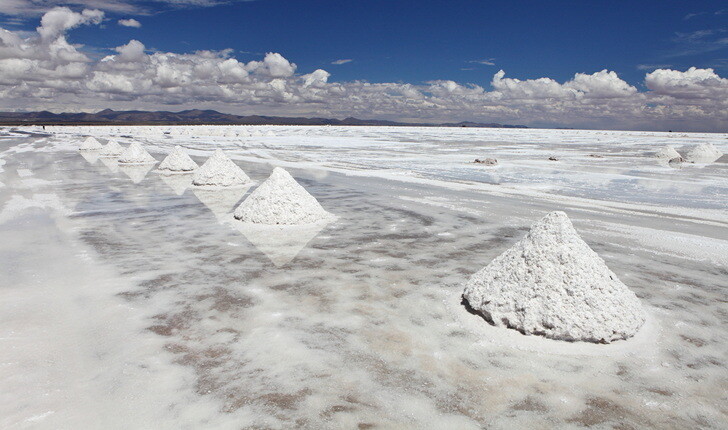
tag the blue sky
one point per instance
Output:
(415, 43)
(418, 41)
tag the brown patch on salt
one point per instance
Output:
(529, 404)
(600, 410)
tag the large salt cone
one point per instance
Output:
(281, 200)
(90, 144)
(220, 171)
(136, 154)
(112, 149)
(704, 153)
(551, 283)
(177, 162)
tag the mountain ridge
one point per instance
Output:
(204, 117)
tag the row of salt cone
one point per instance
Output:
(280, 200)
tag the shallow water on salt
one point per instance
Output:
(172, 312)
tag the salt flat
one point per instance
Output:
(125, 304)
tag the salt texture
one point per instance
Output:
(281, 200)
(667, 153)
(136, 154)
(90, 144)
(112, 149)
(177, 162)
(551, 283)
(704, 153)
(219, 170)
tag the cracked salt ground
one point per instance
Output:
(357, 330)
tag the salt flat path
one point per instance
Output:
(124, 304)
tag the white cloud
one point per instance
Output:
(693, 83)
(342, 61)
(486, 62)
(129, 23)
(31, 8)
(43, 71)
(61, 19)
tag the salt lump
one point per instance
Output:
(112, 149)
(667, 153)
(281, 200)
(90, 144)
(704, 153)
(177, 162)
(135, 154)
(219, 170)
(552, 284)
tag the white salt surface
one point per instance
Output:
(111, 149)
(281, 200)
(220, 171)
(136, 154)
(704, 153)
(177, 162)
(90, 144)
(552, 284)
(172, 320)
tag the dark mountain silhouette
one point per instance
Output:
(197, 116)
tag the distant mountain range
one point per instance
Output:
(196, 116)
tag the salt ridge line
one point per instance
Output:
(112, 149)
(551, 283)
(136, 154)
(220, 171)
(280, 200)
(704, 153)
(90, 144)
(177, 162)
(667, 153)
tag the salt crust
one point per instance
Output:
(177, 162)
(90, 144)
(220, 171)
(704, 153)
(112, 149)
(667, 153)
(136, 154)
(281, 200)
(552, 284)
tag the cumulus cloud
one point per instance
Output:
(129, 23)
(61, 19)
(44, 71)
(693, 83)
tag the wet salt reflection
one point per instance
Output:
(280, 243)
(111, 163)
(178, 183)
(221, 202)
(136, 172)
(90, 156)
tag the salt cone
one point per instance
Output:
(281, 200)
(220, 171)
(553, 284)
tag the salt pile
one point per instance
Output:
(112, 149)
(667, 153)
(135, 154)
(90, 144)
(177, 162)
(281, 200)
(704, 153)
(551, 283)
(220, 171)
